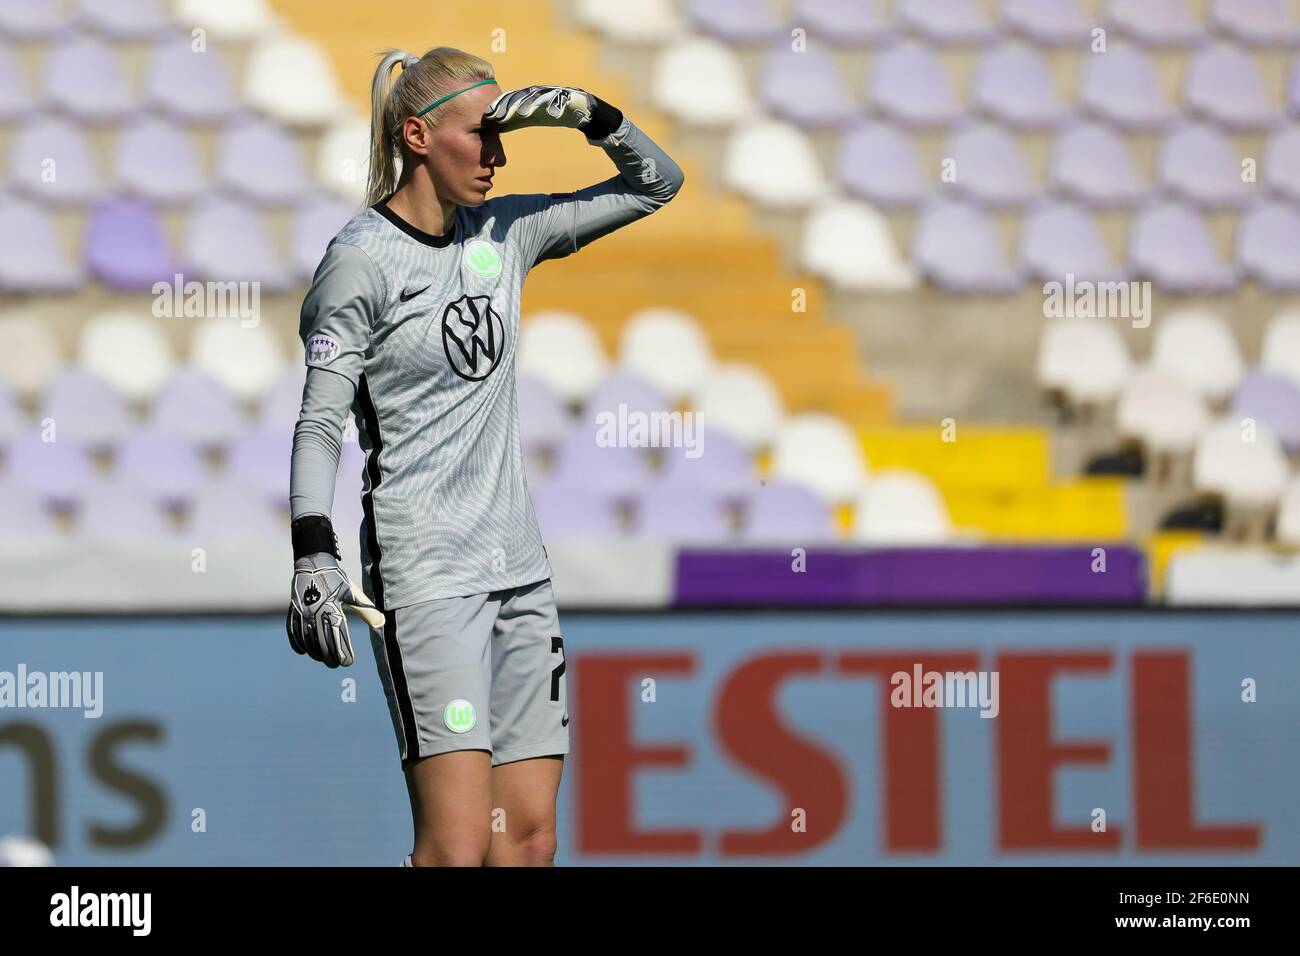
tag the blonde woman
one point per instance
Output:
(411, 322)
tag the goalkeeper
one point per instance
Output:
(412, 322)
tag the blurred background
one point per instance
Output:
(983, 315)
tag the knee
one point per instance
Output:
(450, 852)
(537, 848)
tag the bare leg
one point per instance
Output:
(451, 806)
(525, 792)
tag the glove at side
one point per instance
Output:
(316, 623)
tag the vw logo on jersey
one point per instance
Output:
(473, 336)
(482, 259)
(459, 716)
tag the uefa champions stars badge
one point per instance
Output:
(482, 259)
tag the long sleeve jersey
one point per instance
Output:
(416, 334)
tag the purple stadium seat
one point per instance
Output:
(227, 511)
(844, 22)
(1058, 239)
(910, 83)
(805, 88)
(1120, 86)
(15, 97)
(622, 388)
(189, 85)
(117, 512)
(877, 163)
(126, 247)
(155, 159)
(1092, 163)
(12, 420)
(1223, 84)
(260, 460)
(1282, 162)
(543, 419)
(616, 469)
(124, 19)
(50, 159)
(1014, 85)
(990, 167)
(1267, 240)
(1157, 22)
(32, 255)
(32, 19)
(947, 21)
(57, 471)
(958, 248)
(23, 513)
(783, 513)
(162, 466)
(316, 221)
(722, 465)
(281, 402)
(85, 78)
(570, 511)
(1258, 22)
(259, 160)
(736, 21)
(1049, 22)
(1201, 164)
(227, 241)
(1274, 400)
(86, 408)
(192, 406)
(1171, 245)
(680, 513)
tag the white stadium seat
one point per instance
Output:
(343, 158)
(291, 80)
(127, 351)
(1246, 472)
(30, 357)
(850, 244)
(1161, 411)
(561, 350)
(1085, 358)
(742, 401)
(668, 349)
(773, 164)
(822, 452)
(228, 19)
(1280, 352)
(901, 507)
(1288, 514)
(245, 360)
(643, 22)
(1199, 348)
(701, 82)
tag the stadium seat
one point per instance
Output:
(1120, 87)
(1202, 165)
(84, 78)
(1092, 163)
(1274, 400)
(947, 21)
(1281, 170)
(1157, 22)
(225, 511)
(128, 351)
(189, 85)
(257, 460)
(561, 350)
(621, 391)
(1258, 22)
(990, 169)
(290, 79)
(568, 511)
(12, 421)
(718, 464)
(741, 401)
(1280, 352)
(773, 164)
(32, 255)
(1162, 412)
(126, 246)
(51, 161)
(821, 452)
(117, 512)
(681, 513)
(124, 19)
(316, 221)
(805, 87)
(57, 472)
(32, 19)
(1047, 22)
(227, 240)
(191, 405)
(278, 406)
(156, 159)
(849, 23)
(1084, 358)
(31, 356)
(1198, 348)
(85, 408)
(1013, 85)
(667, 348)
(1223, 84)
(786, 513)
(343, 158)
(543, 419)
(876, 162)
(245, 360)
(956, 245)
(15, 93)
(738, 22)
(699, 81)
(261, 162)
(1171, 245)
(239, 20)
(1244, 469)
(162, 466)
(647, 23)
(851, 245)
(1266, 242)
(897, 507)
(1059, 239)
(910, 84)
(1288, 514)
(620, 470)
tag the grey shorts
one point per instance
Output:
(480, 672)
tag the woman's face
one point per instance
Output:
(460, 153)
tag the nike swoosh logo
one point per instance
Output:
(565, 721)
(408, 296)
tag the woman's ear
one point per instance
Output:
(415, 132)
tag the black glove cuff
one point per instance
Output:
(313, 534)
(604, 120)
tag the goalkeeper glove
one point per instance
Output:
(320, 592)
(553, 106)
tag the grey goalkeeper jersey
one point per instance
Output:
(416, 335)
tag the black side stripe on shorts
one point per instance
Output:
(393, 650)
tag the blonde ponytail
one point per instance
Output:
(423, 80)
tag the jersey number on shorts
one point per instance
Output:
(557, 647)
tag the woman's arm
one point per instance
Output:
(560, 224)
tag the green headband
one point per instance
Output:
(457, 93)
